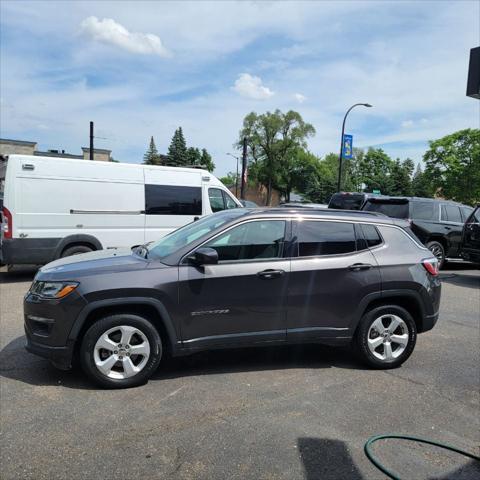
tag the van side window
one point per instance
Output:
(424, 211)
(220, 200)
(325, 238)
(451, 213)
(215, 195)
(173, 200)
(372, 237)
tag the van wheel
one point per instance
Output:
(386, 337)
(76, 250)
(121, 351)
(437, 249)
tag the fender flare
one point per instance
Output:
(73, 239)
(164, 317)
(371, 297)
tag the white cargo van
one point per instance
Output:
(55, 207)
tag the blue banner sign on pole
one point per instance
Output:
(347, 146)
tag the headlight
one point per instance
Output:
(52, 289)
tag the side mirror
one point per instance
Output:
(204, 256)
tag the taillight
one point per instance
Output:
(431, 266)
(7, 224)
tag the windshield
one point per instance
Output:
(346, 201)
(395, 210)
(187, 234)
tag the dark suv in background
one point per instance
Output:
(237, 278)
(470, 249)
(437, 223)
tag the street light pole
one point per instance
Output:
(236, 178)
(339, 185)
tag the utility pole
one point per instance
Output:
(244, 167)
(91, 140)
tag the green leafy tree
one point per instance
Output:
(401, 177)
(374, 170)
(229, 179)
(177, 151)
(452, 165)
(273, 140)
(421, 186)
(151, 156)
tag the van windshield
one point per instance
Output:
(191, 232)
(391, 209)
(347, 201)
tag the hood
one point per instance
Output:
(101, 261)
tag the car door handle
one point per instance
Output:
(269, 274)
(356, 267)
(448, 228)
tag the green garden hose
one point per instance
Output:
(393, 475)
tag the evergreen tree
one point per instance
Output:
(194, 157)
(421, 186)
(206, 160)
(151, 156)
(177, 151)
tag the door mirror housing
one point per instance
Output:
(203, 256)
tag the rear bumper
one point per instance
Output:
(429, 321)
(61, 357)
(35, 251)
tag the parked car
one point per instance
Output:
(348, 200)
(237, 278)
(437, 223)
(470, 249)
(56, 207)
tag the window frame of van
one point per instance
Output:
(287, 242)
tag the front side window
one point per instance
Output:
(466, 211)
(173, 200)
(451, 213)
(220, 200)
(325, 238)
(424, 211)
(257, 240)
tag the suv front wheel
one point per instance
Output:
(121, 351)
(386, 337)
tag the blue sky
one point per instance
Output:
(144, 68)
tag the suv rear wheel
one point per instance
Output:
(437, 249)
(121, 351)
(386, 337)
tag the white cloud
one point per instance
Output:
(299, 97)
(407, 123)
(112, 33)
(252, 87)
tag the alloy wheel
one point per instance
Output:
(121, 352)
(388, 337)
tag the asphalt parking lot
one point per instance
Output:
(264, 413)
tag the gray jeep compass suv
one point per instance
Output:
(237, 278)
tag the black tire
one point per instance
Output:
(76, 250)
(93, 334)
(439, 251)
(362, 335)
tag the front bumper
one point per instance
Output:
(61, 357)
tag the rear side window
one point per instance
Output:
(325, 238)
(173, 200)
(395, 210)
(451, 213)
(372, 237)
(424, 211)
(466, 211)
